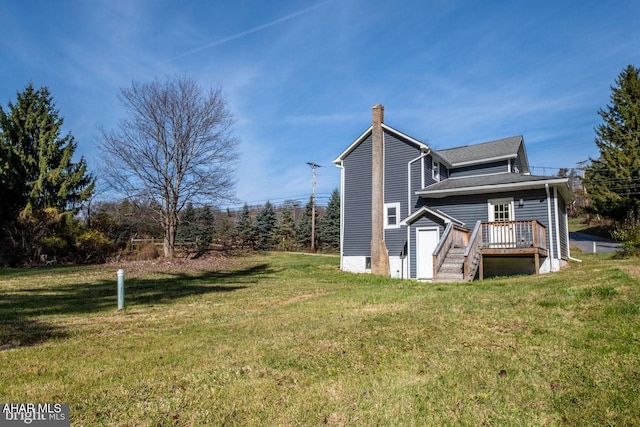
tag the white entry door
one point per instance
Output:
(501, 231)
(426, 242)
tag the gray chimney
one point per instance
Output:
(379, 253)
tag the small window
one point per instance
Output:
(367, 263)
(435, 170)
(391, 215)
(501, 212)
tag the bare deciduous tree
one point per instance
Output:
(176, 146)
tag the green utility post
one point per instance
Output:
(120, 289)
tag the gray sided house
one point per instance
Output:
(456, 214)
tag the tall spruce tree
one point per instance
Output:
(286, 228)
(37, 164)
(612, 180)
(244, 228)
(41, 187)
(303, 228)
(329, 224)
(205, 227)
(224, 230)
(265, 226)
(186, 228)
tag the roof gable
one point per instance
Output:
(433, 213)
(385, 128)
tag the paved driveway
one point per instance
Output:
(586, 241)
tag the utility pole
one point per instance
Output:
(313, 204)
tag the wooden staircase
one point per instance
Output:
(452, 269)
(458, 256)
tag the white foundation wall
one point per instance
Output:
(354, 264)
(398, 267)
(545, 266)
(551, 264)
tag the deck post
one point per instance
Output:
(481, 268)
(435, 266)
(536, 258)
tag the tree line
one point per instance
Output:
(286, 227)
(268, 227)
(174, 156)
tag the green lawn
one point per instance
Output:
(284, 339)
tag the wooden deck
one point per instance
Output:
(491, 239)
(513, 239)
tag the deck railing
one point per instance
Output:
(514, 234)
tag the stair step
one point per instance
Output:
(452, 267)
(449, 277)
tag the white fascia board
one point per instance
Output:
(353, 145)
(478, 175)
(423, 210)
(485, 160)
(365, 134)
(481, 189)
(422, 145)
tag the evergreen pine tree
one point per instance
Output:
(328, 229)
(286, 228)
(39, 181)
(38, 169)
(224, 231)
(186, 227)
(613, 180)
(265, 227)
(303, 228)
(244, 228)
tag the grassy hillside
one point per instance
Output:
(283, 339)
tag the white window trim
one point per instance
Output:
(435, 170)
(386, 215)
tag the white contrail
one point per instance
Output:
(247, 32)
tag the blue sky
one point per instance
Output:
(301, 76)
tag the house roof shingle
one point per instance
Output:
(493, 182)
(481, 153)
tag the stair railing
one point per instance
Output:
(454, 235)
(472, 253)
